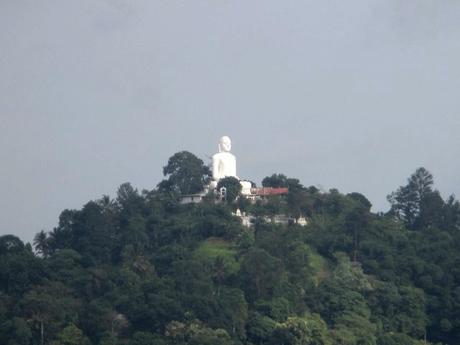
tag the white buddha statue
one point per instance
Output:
(224, 165)
(223, 162)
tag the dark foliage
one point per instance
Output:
(143, 269)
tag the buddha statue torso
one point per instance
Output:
(223, 162)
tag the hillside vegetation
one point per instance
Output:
(143, 269)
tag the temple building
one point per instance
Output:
(224, 165)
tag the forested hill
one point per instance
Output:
(143, 269)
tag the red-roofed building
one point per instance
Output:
(269, 191)
(264, 192)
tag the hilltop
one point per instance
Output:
(145, 269)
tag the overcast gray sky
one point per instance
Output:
(353, 95)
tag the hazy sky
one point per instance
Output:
(353, 95)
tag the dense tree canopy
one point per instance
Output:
(232, 188)
(143, 269)
(186, 173)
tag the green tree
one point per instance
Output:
(341, 302)
(260, 274)
(10, 244)
(299, 200)
(275, 181)
(392, 338)
(307, 330)
(71, 335)
(19, 333)
(196, 333)
(233, 312)
(92, 234)
(357, 223)
(186, 174)
(260, 328)
(406, 202)
(361, 199)
(128, 203)
(432, 212)
(232, 187)
(41, 244)
(19, 267)
(48, 307)
(146, 338)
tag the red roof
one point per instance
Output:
(269, 191)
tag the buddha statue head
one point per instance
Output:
(225, 144)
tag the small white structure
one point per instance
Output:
(246, 220)
(301, 221)
(246, 188)
(192, 198)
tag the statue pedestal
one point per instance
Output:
(245, 187)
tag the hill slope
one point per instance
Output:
(143, 269)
